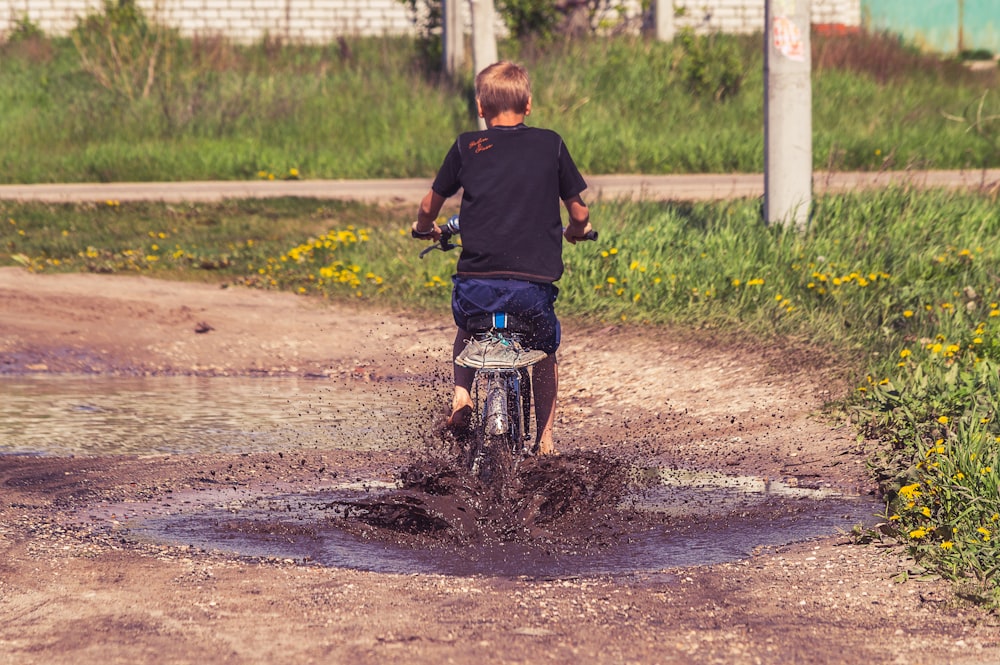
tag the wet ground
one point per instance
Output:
(167, 554)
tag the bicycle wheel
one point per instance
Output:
(494, 460)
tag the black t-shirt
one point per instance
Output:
(513, 180)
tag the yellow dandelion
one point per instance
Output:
(919, 533)
(908, 313)
(943, 420)
(947, 545)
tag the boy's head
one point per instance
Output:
(503, 86)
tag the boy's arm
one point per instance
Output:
(579, 219)
(427, 214)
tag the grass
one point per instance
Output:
(371, 108)
(898, 288)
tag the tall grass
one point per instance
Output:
(369, 108)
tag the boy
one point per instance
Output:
(513, 178)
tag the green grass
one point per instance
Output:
(898, 289)
(371, 108)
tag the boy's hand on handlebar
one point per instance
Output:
(575, 232)
(434, 233)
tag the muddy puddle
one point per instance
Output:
(572, 521)
(576, 514)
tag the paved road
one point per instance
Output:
(649, 187)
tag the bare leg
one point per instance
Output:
(463, 380)
(545, 384)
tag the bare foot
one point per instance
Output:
(546, 448)
(460, 418)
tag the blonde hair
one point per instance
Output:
(503, 86)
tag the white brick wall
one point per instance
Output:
(324, 20)
(743, 16)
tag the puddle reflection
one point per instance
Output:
(83, 415)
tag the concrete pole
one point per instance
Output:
(452, 36)
(787, 113)
(484, 40)
(663, 12)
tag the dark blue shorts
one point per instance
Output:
(530, 301)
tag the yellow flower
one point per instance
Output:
(984, 532)
(908, 313)
(925, 511)
(917, 534)
(910, 492)
(905, 353)
(943, 420)
(947, 545)
(736, 282)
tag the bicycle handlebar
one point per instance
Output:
(451, 229)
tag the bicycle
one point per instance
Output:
(501, 391)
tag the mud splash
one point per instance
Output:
(570, 501)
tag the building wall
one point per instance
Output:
(941, 25)
(324, 20)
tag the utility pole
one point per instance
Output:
(787, 113)
(452, 36)
(484, 39)
(663, 13)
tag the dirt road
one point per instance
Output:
(77, 586)
(685, 187)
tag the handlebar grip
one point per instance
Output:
(592, 235)
(416, 234)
